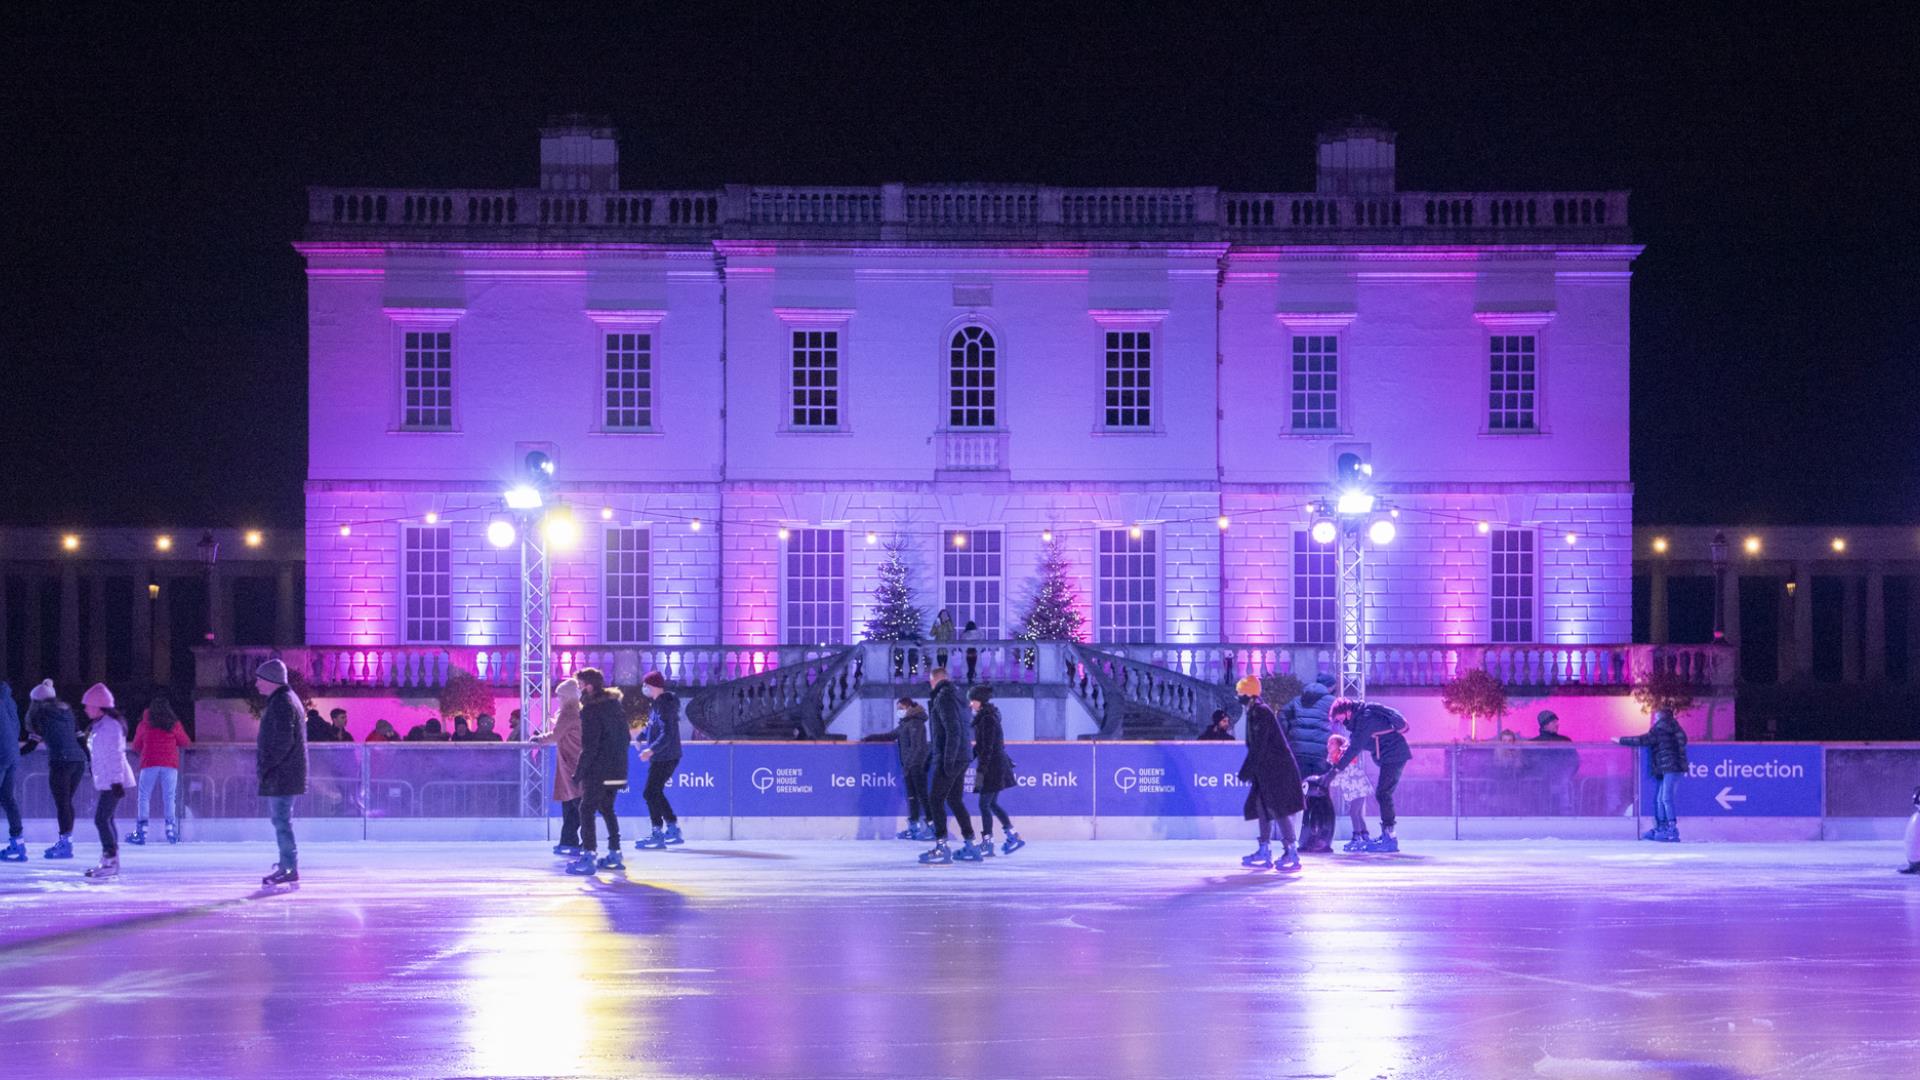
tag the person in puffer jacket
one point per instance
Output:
(51, 721)
(1307, 727)
(1666, 743)
(112, 775)
(1381, 731)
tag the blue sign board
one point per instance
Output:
(1055, 779)
(1744, 780)
(698, 788)
(1192, 779)
(817, 780)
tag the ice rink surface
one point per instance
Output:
(1106, 959)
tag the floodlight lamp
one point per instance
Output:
(1382, 531)
(1354, 502)
(563, 530)
(500, 531)
(523, 497)
(1323, 532)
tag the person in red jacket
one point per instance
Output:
(158, 743)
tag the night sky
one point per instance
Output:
(153, 327)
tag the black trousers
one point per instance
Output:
(990, 809)
(658, 808)
(103, 820)
(11, 801)
(949, 793)
(1316, 826)
(919, 802)
(570, 823)
(64, 778)
(598, 799)
(1383, 791)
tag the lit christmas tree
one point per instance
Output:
(1053, 604)
(895, 616)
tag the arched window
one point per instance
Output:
(972, 386)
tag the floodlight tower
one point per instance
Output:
(1354, 517)
(526, 520)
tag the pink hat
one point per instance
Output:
(98, 696)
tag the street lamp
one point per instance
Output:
(209, 549)
(1719, 550)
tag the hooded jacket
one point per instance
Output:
(1380, 731)
(1307, 726)
(107, 738)
(160, 749)
(947, 722)
(662, 733)
(910, 738)
(1269, 766)
(993, 769)
(53, 722)
(1668, 742)
(281, 750)
(603, 741)
(565, 737)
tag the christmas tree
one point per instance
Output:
(1053, 605)
(895, 616)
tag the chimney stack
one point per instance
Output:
(1356, 158)
(579, 153)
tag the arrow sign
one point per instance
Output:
(1727, 798)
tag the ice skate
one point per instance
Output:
(139, 837)
(1910, 868)
(1386, 845)
(673, 836)
(109, 867)
(281, 875)
(61, 849)
(173, 832)
(1358, 843)
(986, 847)
(969, 852)
(582, 866)
(611, 861)
(1653, 833)
(567, 851)
(654, 840)
(938, 855)
(1669, 834)
(1261, 859)
(15, 851)
(1289, 861)
(911, 832)
(1013, 844)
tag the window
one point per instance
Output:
(816, 379)
(1127, 604)
(428, 583)
(428, 381)
(970, 577)
(1316, 591)
(628, 585)
(972, 394)
(1316, 382)
(1513, 389)
(629, 382)
(816, 587)
(1129, 379)
(1511, 584)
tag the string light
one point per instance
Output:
(784, 534)
(254, 538)
(872, 538)
(1136, 532)
(694, 524)
(1222, 522)
(959, 540)
(432, 518)
(346, 530)
(1572, 539)
(606, 513)
(163, 542)
(1046, 536)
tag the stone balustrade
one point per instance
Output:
(427, 667)
(1423, 666)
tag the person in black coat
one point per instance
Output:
(280, 758)
(1383, 732)
(1270, 768)
(1666, 742)
(660, 749)
(51, 721)
(992, 770)
(602, 771)
(1308, 728)
(13, 744)
(910, 739)
(952, 750)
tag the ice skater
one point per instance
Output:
(158, 742)
(12, 748)
(1382, 732)
(660, 749)
(602, 772)
(1666, 742)
(910, 739)
(1275, 795)
(280, 761)
(1305, 721)
(564, 737)
(1913, 837)
(112, 776)
(1351, 787)
(51, 721)
(992, 770)
(952, 749)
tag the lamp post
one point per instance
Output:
(209, 549)
(1719, 550)
(538, 524)
(1353, 517)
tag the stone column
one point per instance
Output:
(1874, 661)
(69, 666)
(96, 644)
(1657, 606)
(287, 617)
(1802, 620)
(220, 598)
(1730, 608)
(142, 620)
(37, 663)
(1851, 617)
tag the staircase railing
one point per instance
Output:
(777, 702)
(1111, 686)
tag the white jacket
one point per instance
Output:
(107, 742)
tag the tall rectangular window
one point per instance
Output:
(1316, 382)
(1513, 389)
(427, 583)
(816, 379)
(1316, 591)
(972, 396)
(628, 391)
(816, 587)
(1511, 583)
(427, 375)
(970, 579)
(1129, 390)
(628, 585)
(1127, 586)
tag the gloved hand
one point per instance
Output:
(119, 790)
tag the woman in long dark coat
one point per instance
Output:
(1275, 778)
(992, 770)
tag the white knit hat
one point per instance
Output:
(568, 690)
(43, 692)
(98, 696)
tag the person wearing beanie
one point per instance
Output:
(1549, 722)
(1274, 777)
(51, 721)
(11, 750)
(280, 760)
(910, 740)
(1666, 743)
(952, 749)
(660, 749)
(1304, 719)
(564, 737)
(112, 775)
(1381, 731)
(602, 771)
(992, 770)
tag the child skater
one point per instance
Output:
(992, 769)
(1666, 742)
(910, 739)
(1351, 787)
(565, 737)
(112, 776)
(51, 721)
(158, 741)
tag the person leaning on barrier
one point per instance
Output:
(1219, 727)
